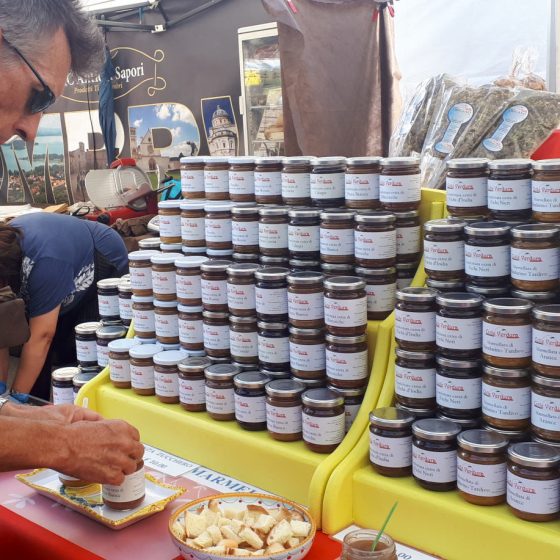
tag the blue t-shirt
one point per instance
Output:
(58, 258)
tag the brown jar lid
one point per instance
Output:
(534, 231)
(322, 398)
(459, 300)
(193, 364)
(535, 455)
(215, 266)
(336, 215)
(510, 164)
(508, 306)
(417, 295)
(297, 160)
(143, 351)
(345, 339)
(305, 278)
(215, 315)
(414, 356)
(242, 269)
(221, 372)
(250, 380)
(110, 332)
(242, 320)
(381, 217)
(482, 441)
(467, 163)
(400, 161)
(510, 373)
(244, 210)
(65, 374)
(391, 417)
(494, 228)
(306, 332)
(272, 273)
(274, 211)
(551, 382)
(368, 272)
(304, 212)
(344, 283)
(285, 388)
(435, 429)
(547, 165)
(456, 364)
(87, 328)
(547, 313)
(363, 161)
(445, 225)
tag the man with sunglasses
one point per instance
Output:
(41, 41)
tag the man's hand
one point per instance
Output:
(62, 413)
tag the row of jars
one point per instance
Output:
(481, 464)
(67, 381)
(513, 190)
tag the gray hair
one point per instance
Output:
(28, 24)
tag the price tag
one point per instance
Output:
(166, 463)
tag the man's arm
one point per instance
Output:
(62, 413)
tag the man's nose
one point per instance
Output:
(26, 127)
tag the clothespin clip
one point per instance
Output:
(381, 5)
(292, 6)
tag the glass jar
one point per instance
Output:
(375, 239)
(506, 332)
(192, 177)
(336, 236)
(466, 187)
(330, 270)
(119, 362)
(434, 454)
(127, 495)
(219, 391)
(481, 467)
(415, 319)
(192, 383)
(535, 257)
(390, 441)
(86, 343)
(545, 408)
(381, 291)
(274, 346)
(125, 302)
(283, 409)
(347, 361)
(405, 274)
(80, 379)
(509, 189)
(296, 188)
(506, 398)
(533, 481)
(213, 285)
(250, 400)
(322, 420)
(243, 340)
(307, 353)
(446, 286)
(104, 335)
(150, 244)
(271, 294)
(140, 265)
(353, 399)
(245, 229)
(166, 375)
(399, 183)
(415, 379)
(166, 321)
(268, 262)
(546, 342)
(305, 300)
(268, 180)
(418, 413)
(545, 191)
(62, 385)
(345, 306)
(241, 289)
(444, 249)
(298, 265)
(188, 280)
(108, 299)
(273, 231)
(164, 276)
(169, 212)
(216, 178)
(459, 325)
(409, 238)
(361, 183)
(327, 182)
(357, 546)
(241, 177)
(304, 234)
(193, 230)
(215, 332)
(217, 225)
(142, 368)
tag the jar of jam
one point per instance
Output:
(192, 177)
(375, 239)
(283, 409)
(323, 420)
(62, 386)
(390, 441)
(545, 191)
(330, 270)
(533, 481)
(215, 332)
(399, 183)
(243, 340)
(268, 262)
(409, 239)
(345, 306)
(188, 280)
(86, 343)
(150, 244)
(535, 257)
(216, 178)
(546, 343)
(164, 275)
(142, 368)
(446, 286)
(219, 391)
(274, 346)
(140, 265)
(119, 364)
(353, 399)
(418, 413)
(169, 221)
(545, 408)
(273, 231)
(108, 299)
(357, 546)
(506, 398)
(268, 180)
(245, 229)
(213, 285)
(296, 188)
(305, 300)
(415, 379)
(271, 294)
(125, 302)
(327, 182)
(298, 265)
(459, 325)
(415, 319)
(250, 400)
(405, 274)
(381, 291)
(241, 179)
(444, 249)
(166, 375)
(307, 353)
(241, 289)
(104, 335)
(361, 183)
(347, 361)
(193, 231)
(127, 495)
(192, 384)
(166, 321)
(304, 234)
(434, 454)
(506, 332)
(217, 225)
(336, 236)
(481, 467)
(509, 189)
(466, 187)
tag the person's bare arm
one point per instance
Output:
(62, 413)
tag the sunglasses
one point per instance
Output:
(39, 100)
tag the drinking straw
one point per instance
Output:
(385, 523)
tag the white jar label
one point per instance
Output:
(218, 230)
(481, 480)
(323, 430)
(241, 182)
(461, 394)
(413, 326)
(506, 403)
(273, 236)
(305, 307)
(132, 488)
(245, 233)
(250, 409)
(63, 395)
(167, 385)
(509, 195)
(393, 453)
(399, 188)
(190, 332)
(213, 292)
(144, 321)
(415, 383)
(307, 357)
(192, 181)
(191, 391)
(142, 377)
(193, 229)
(167, 326)
(444, 256)
(86, 350)
(216, 337)
(408, 240)
(296, 185)
(487, 261)
(244, 345)
(220, 401)
(361, 186)
(346, 312)
(375, 244)
(140, 278)
(545, 196)
(506, 341)
(283, 419)
(466, 193)
(216, 181)
(546, 348)
(125, 309)
(303, 238)
(351, 366)
(327, 185)
(459, 334)
(535, 265)
(350, 413)
(119, 370)
(381, 297)
(336, 241)
(274, 350)
(272, 301)
(241, 296)
(170, 226)
(163, 282)
(545, 412)
(102, 356)
(268, 183)
(533, 496)
(188, 287)
(434, 466)
(108, 305)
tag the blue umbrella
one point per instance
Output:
(107, 107)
